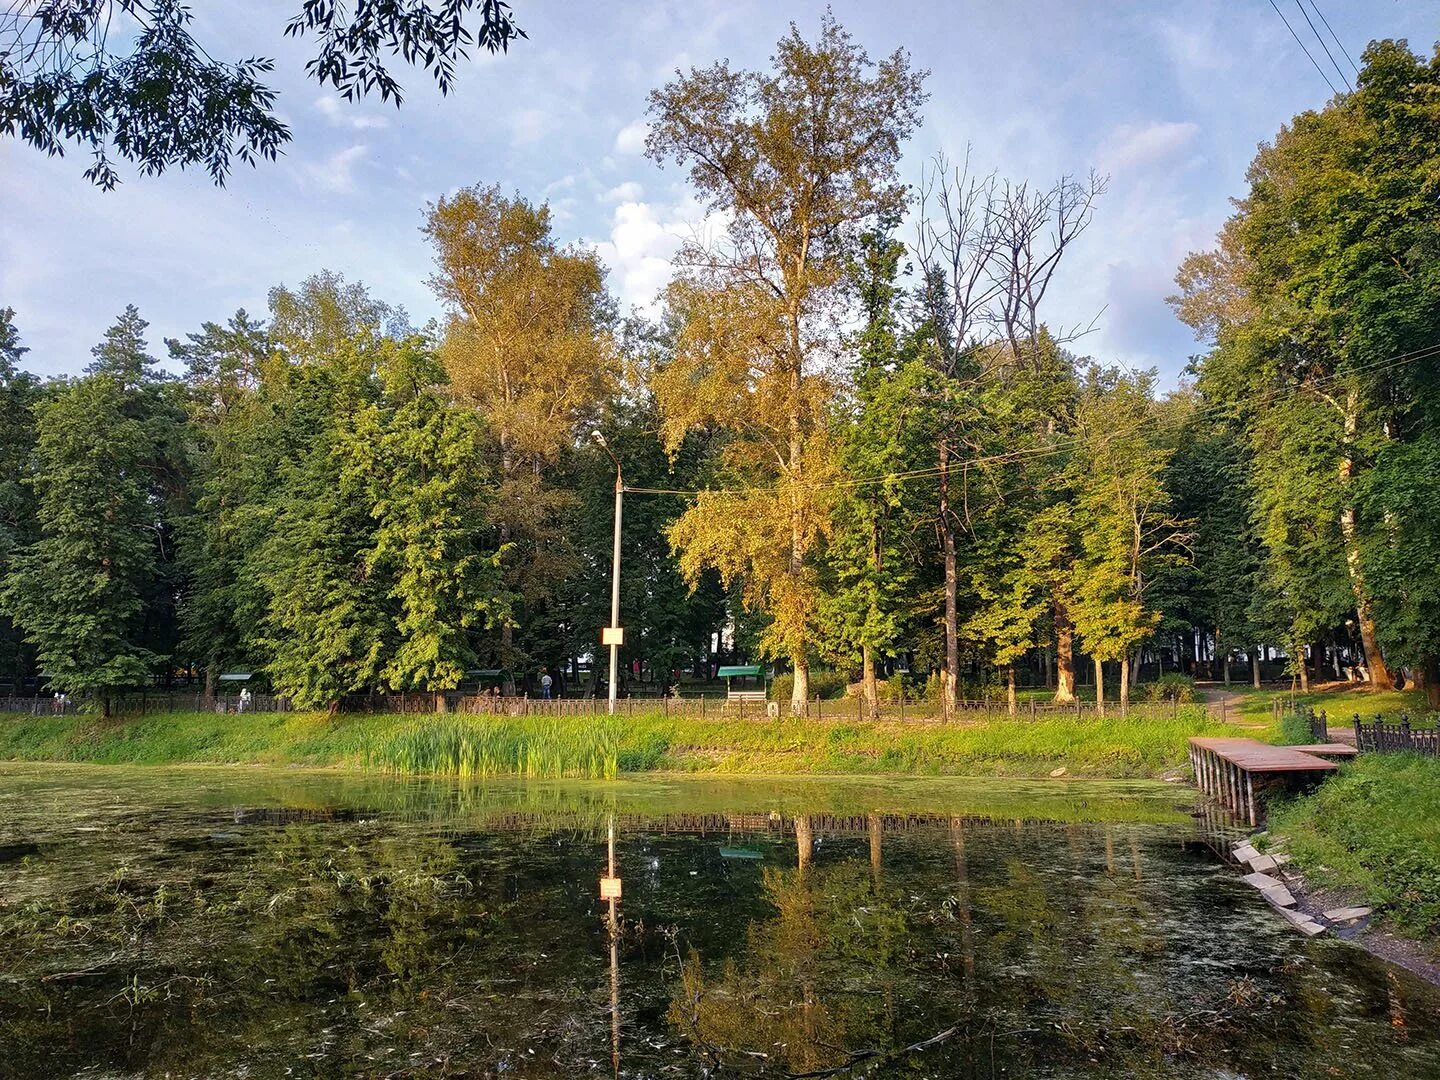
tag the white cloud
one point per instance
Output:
(644, 238)
(337, 172)
(629, 191)
(343, 115)
(1130, 147)
(631, 139)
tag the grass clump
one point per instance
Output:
(1375, 828)
(500, 746)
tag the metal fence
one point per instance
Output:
(1380, 737)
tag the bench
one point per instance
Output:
(740, 700)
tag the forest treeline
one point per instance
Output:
(852, 438)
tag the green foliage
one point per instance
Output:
(79, 590)
(1373, 828)
(827, 685)
(1172, 686)
(161, 100)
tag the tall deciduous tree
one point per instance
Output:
(799, 161)
(528, 344)
(80, 590)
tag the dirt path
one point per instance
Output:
(1225, 704)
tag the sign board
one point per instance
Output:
(612, 635)
(609, 888)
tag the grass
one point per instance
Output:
(1340, 704)
(1142, 745)
(1374, 828)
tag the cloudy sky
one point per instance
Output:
(1169, 99)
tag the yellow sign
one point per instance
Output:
(609, 888)
(612, 635)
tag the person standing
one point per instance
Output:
(545, 683)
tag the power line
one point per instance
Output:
(1303, 48)
(1344, 79)
(1060, 447)
(1335, 37)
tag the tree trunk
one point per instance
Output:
(950, 678)
(1428, 678)
(871, 686)
(1304, 670)
(1255, 666)
(1011, 699)
(1100, 685)
(1224, 656)
(1048, 667)
(1380, 677)
(800, 688)
(1064, 656)
(210, 685)
(1124, 684)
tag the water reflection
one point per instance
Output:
(267, 926)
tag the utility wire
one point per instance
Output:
(1344, 79)
(1335, 37)
(1062, 446)
(1303, 48)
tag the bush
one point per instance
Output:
(1172, 686)
(829, 685)
(1295, 730)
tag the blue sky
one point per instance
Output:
(1170, 99)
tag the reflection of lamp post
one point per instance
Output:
(610, 890)
(613, 635)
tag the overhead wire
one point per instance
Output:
(1344, 79)
(1303, 49)
(1335, 38)
(1059, 447)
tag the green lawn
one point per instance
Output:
(1138, 746)
(1340, 705)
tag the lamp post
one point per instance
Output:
(614, 636)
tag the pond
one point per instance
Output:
(253, 923)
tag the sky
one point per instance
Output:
(1169, 99)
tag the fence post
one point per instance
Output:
(1358, 746)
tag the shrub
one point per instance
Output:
(827, 684)
(1172, 686)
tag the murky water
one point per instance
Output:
(229, 923)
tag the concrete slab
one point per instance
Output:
(1261, 881)
(1244, 852)
(1348, 914)
(1263, 863)
(1278, 895)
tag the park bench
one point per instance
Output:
(743, 701)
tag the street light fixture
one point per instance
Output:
(613, 635)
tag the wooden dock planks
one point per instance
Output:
(1232, 770)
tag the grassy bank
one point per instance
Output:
(533, 746)
(1374, 828)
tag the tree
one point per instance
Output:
(125, 79)
(1321, 290)
(528, 344)
(79, 591)
(19, 391)
(1123, 511)
(869, 580)
(430, 502)
(989, 251)
(800, 161)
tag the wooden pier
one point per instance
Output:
(1236, 771)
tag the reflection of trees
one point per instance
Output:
(811, 983)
